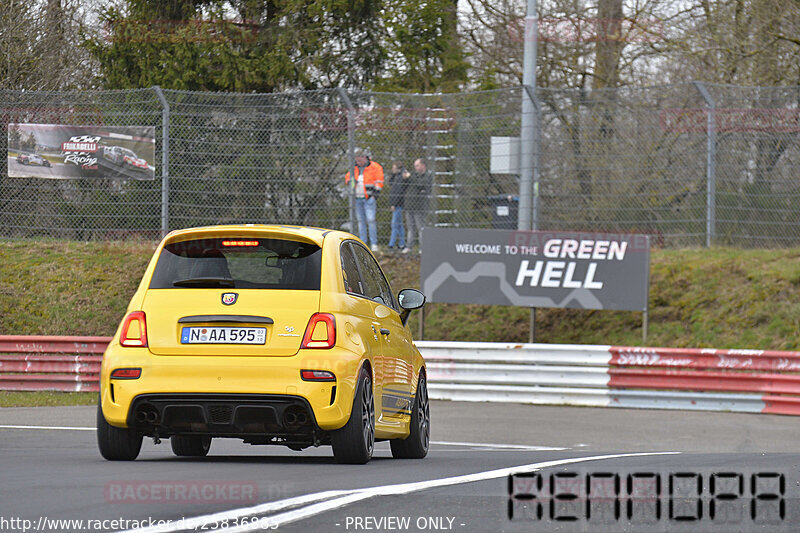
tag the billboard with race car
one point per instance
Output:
(58, 151)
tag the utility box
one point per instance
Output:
(505, 211)
(504, 156)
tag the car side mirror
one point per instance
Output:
(409, 299)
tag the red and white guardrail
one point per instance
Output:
(754, 381)
(29, 363)
(601, 376)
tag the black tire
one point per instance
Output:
(355, 442)
(116, 444)
(415, 446)
(190, 445)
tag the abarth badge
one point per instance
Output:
(229, 298)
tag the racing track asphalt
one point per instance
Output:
(58, 474)
(56, 170)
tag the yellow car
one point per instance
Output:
(270, 334)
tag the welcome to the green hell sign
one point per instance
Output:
(536, 269)
(555, 274)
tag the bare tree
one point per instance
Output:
(40, 45)
(747, 42)
(581, 44)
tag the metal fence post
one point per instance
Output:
(528, 190)
(529, 166)
(351, 147)
(711, 164)
(164, 160)
(534, 155)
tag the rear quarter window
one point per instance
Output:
(350, 272)
(363, 276)
(241, 263)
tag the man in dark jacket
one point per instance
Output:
(398, 182)
(417, 196)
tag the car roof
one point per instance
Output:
(307, 233)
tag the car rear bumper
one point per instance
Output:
(329, 403)
(256, 418)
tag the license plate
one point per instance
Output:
(206, 335)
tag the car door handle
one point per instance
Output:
(385, 331)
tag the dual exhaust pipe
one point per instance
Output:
(147, 414)
(294, 418)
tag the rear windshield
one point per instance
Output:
(241, 263)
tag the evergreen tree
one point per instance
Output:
(269, 45)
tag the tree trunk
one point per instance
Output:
(608, 44)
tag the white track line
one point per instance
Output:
(331, 500)
(70, 428)
(519, 447)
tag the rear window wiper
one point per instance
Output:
(204, 282)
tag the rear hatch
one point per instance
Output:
(232, 296)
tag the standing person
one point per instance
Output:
(398, 182)
(368, 183)
(417, 196)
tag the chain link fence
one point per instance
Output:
(693, 164)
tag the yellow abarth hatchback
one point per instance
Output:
(269, 334)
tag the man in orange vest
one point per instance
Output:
(368, 184)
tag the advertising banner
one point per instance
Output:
(58, 151)
(536, 268)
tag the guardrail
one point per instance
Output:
(599, 376)
(752, 381)
(31, 363)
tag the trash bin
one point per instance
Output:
(505, 209)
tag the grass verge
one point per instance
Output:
(46, 398)
(719, 297)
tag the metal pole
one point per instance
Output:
(527, 190)
(646, 310)
(164, 160)
(711, 165)
(351, 148)
(421, 323)
(532, 333)
(536, 121)
(645, 317)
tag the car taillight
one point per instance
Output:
(134, 330)
(239, 243)
(126, 373)
(317, 375)
(320, 332)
